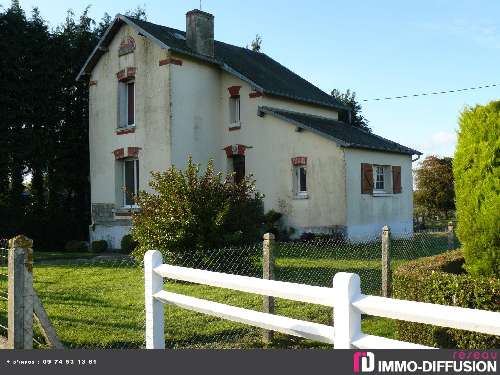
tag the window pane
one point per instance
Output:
(302, 180)
(239, 168)
(379, 181)
(129, 180)
(131, 103)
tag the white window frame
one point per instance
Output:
(296, 184)
(387, 179)
(136, 181)
(123, 104)
(235, 110)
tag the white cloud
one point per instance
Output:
(441, 144)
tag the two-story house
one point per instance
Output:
(158, 95)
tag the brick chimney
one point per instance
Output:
(200, 32)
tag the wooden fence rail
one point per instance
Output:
(345, 298)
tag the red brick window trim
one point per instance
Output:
(170, 61)
(126, 74)
(255, 94)
(299, 160)
(234, 91)
(234, 150)
(132, 152)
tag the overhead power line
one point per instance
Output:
(432, 93)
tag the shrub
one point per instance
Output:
(190, 214)
(99, 246)
(76, 246)
(441, 279)
(128, 244)
(476, 168)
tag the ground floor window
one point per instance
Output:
(130, 181)
(300, 180)
(238, 168)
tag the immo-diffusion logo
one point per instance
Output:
(471, 362)
(364, 362)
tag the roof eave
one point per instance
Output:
(268, 110)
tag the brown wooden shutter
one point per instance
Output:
(366, 178)
(396, 179)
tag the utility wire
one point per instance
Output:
(432, 93)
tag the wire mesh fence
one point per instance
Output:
(99, 302)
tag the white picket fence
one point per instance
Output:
(345, 298)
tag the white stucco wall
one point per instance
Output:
(152, 128)
(366, 213)
(196, 111)
(273, 143)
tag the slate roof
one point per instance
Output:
(345, 135)
(262, 72)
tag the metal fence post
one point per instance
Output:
(451, 236)
(346, 318)
(155, 319)
(268, 274)
(386, 262)
(20, 296)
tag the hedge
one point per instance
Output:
(476, 168)
(441, 279)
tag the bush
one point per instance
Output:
(99, 246)
(76, 246)
(128, 244)
(476, 168)
(441, 279)
(190, 214)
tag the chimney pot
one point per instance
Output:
(200, 32)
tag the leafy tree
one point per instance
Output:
(256, 44)
(476, 167)
(348, 99)
(192, 213)
(435, 186)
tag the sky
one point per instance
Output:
(376, 48)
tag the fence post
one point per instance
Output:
(155, 319)
(268, 274)
(346, 318)
(386, 262)
(451, 236)
(20, 296)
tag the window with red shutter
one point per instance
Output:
(366, 178)
(396, 180)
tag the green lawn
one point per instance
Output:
(101, 305)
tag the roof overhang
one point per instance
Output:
(300, 125)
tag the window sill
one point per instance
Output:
(382, 194)
(235, 126)
(125, 130)
(125, 212)
(301, 196)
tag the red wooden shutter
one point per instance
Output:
(396, 179)
(131, 103)
(366, 178)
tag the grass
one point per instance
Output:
(61, 255)
(100, 305)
